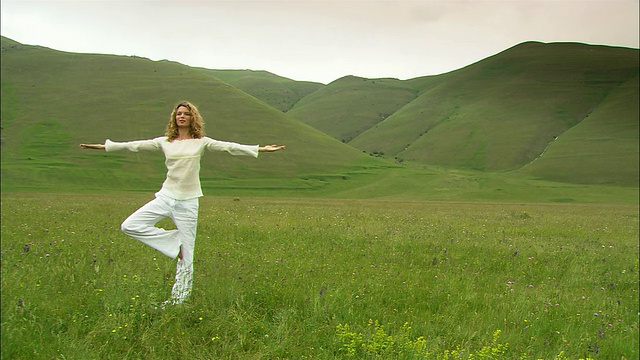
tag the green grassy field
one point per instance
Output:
(280, 278)
(437, 232)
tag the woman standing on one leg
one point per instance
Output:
(183, 145)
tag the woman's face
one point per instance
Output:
(183, 116)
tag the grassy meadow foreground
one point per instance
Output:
(322, 279)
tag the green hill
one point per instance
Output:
(279, 92)
(499, 114)
(602, 148)
(477, 133)
(52, 101)
(503, 112)
(351, 105)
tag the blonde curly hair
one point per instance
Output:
(196, 128)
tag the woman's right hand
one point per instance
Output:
(92, 146)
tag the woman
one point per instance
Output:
(183, 145)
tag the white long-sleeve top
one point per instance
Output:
(182, 158)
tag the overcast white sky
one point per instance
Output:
(317, 40)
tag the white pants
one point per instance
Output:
(141, 226)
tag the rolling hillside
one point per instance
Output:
(351, 105)
(522, 125)
(52, 101)
(279, 92)
(499, 114)
(602, 148)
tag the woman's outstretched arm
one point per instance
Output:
(134, 146)
(93, 146)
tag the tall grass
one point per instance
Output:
(288, 278)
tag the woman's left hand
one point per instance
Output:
(270, 148)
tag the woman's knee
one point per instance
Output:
(128, 227)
